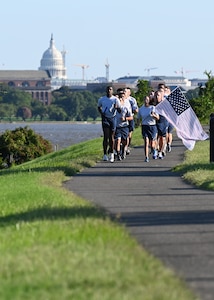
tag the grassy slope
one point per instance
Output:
(55, 245)
(197, 168)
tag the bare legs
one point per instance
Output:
(108, 140)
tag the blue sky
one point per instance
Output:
(132, 35)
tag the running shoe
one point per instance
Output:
(155, 154)
(160, 155)
(111, 158)
(169, 148)
(105, 157)
(146, 159)
(124, 155)
(119, 157)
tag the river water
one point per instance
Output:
(60, 134)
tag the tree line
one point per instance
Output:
(68, 105)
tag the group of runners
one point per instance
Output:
(117, 112)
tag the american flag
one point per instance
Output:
(177, 110)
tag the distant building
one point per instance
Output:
(101, 79)
(37, 83)
(171, 81)
(53, 61)
(51, 75)
(132, 81)
(197, 82)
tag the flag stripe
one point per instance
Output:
(177, 110)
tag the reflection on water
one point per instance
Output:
(61, 135)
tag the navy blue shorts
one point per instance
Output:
(131, 125)
(149, 131)
(122, 132)
(162, 126)
(162, 130)
(109, 123)
(170, 128)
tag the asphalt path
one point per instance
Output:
(171, 219)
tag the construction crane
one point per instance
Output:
(182, 71)
(148, 70)
(83, 69)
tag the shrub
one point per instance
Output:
(22, 145)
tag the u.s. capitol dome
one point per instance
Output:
(53, 61)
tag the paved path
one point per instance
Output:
(172, 220)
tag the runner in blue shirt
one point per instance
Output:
(108, 106)
(148, 118)
(122, 126)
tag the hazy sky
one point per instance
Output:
(133, 36)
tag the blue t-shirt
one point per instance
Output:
(109, 105)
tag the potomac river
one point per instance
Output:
(60, 134)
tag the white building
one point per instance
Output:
(53, 61)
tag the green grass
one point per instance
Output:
(196, 168)
(55, 245)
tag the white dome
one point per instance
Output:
(52, 61)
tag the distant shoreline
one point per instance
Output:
(50, 122)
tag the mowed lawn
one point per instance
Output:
(55, 245)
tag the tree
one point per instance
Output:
(90, 106)
(38, 109)
(203, 105)
(192, 94)
(143, 90)
(22, 145)
(17, 98)
(90, 112)
(24, 112)
(7, 111)
(3, 90)
(57, 113)
(71, 104)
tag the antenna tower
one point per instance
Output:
(107, 70)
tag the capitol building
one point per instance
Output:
(53, 61)
(51, 75)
